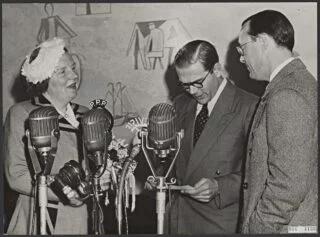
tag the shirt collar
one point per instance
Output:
(68, 114)
(279, 67)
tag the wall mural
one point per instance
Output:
(84, 9)
(53, 26)
(122, 106)
(151, 40)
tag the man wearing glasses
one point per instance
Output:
(215, 116)
(281, 177)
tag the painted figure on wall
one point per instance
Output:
(84, 9)
(53, 26)
(154, 46)
(122, 106)
(156, 40)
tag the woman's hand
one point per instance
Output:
(150, 185)
(136, 139)
(73, 196)
(105, 179)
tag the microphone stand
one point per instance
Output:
(97, 218)
(97, 215)
(94, 122)
(135, 150)
(47, 155)
(162, 185)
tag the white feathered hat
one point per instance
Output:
(43, 65)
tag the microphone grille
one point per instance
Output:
(41, 123)
(162, 125)
(95, 123)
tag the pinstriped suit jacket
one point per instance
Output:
(218, 155)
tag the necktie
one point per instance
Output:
(201, 120)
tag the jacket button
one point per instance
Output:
(218, 172)
(245, 185)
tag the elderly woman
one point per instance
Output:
(49, 71)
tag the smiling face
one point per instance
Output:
(64, 82)
(196, 72)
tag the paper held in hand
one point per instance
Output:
(183, 187)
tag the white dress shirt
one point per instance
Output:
(278, 69)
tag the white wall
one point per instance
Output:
(102, 42)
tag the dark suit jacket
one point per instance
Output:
(70, 220)
(281, 180)
(218, 155)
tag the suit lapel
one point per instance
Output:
(220, 117)
(295, 65)
(272, 86)
(186, 120)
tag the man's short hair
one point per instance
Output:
(197, 50)
(273, 23)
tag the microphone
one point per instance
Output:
(43, 135)
(162, 129)
(162, 137)
(96, 127)
(43, 125)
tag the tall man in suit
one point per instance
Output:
(216, 117)
(281, 177)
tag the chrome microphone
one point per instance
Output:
(43, 135)
(161, 136)
(43, 124)
(162, 129)
(96, 126)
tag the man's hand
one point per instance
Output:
(73, 196)
(203, 191)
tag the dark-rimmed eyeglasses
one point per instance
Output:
(240, 47)
(196, 84)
